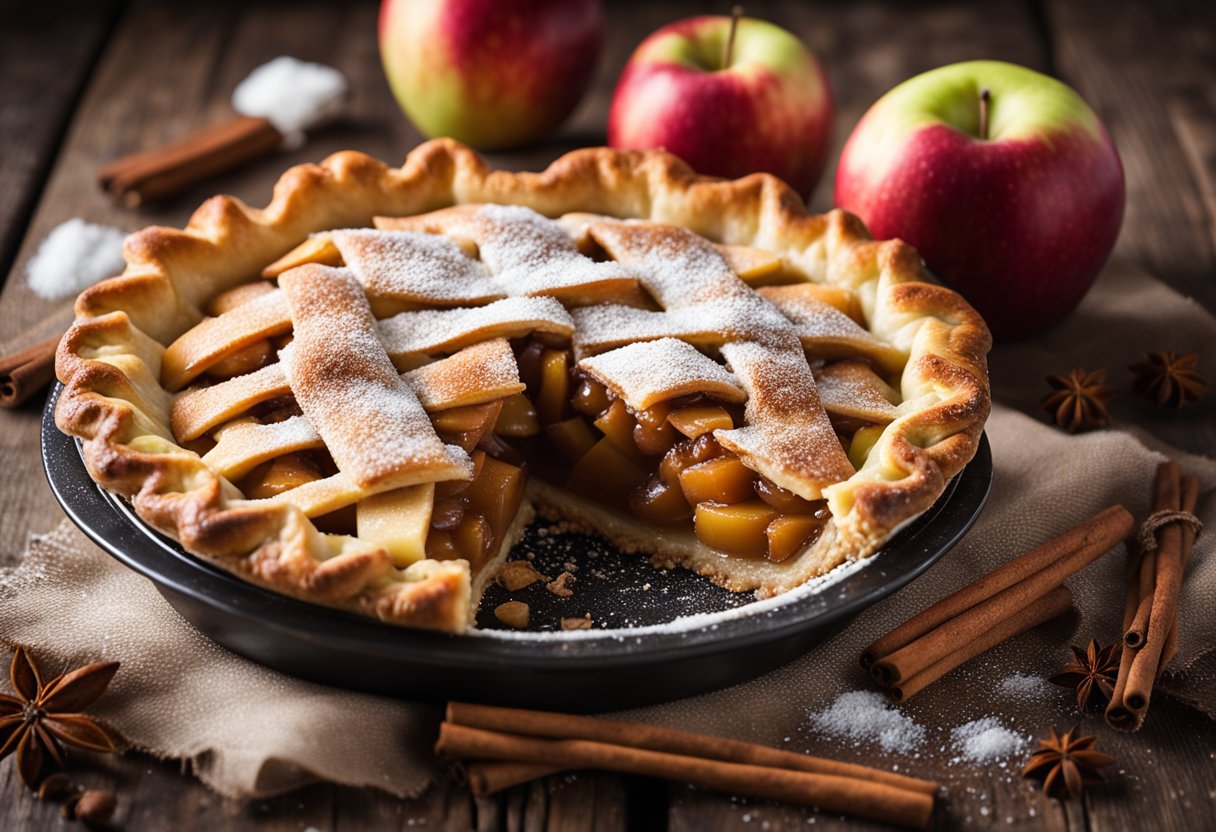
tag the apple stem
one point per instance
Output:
(735, 14)
(985, 95)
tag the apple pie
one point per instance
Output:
(361, 394)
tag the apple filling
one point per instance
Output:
(661, 465)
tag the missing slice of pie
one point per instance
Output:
(361, 394)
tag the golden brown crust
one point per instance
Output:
(109, 362)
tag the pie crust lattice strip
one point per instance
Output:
(361, 394)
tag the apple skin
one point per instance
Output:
(1020, 223)
(771, 110)
(491, 73)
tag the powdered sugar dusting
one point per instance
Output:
(689, 277)
(74, 256)
(788, 437)
(443, 330)
(371, 421)
(527, 253)
(650, 371)
(533, 253)
(476, 374)
(813, 319)
(415, 268)
(241, 445)
(865, 717)
(851, 388)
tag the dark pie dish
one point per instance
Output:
(596, 669)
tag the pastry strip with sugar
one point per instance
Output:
(648, 372)
(429, 331)
(375, 428)
(525, 251)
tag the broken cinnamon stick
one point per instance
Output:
(848, 795)
(669, 740)
(1054, 603)
(994, 598)
(1113, 525)
(156, 174)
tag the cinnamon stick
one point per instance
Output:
(156, 174)
(1056, 602)
(1137, 628)
(668, 740)
(831, 793)
(487, 777)
(1019, 587)
(1134, 685)
(1130, 606)
(1167, 488)
(1104, 529)
(1190, 499)
(26, 371)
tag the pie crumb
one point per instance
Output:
(558, 586)
(513, 614)
(517, 574)
(583, 623)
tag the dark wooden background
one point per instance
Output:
(84, 82)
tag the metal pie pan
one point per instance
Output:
(655, 635)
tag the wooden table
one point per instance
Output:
(83, 82)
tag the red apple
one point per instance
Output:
(491, 73)
(1018, 213)
(765, 106)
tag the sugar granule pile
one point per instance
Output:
(73, 257)
(865, 716)
(985, 740)
(293, 95)
(1023, 687)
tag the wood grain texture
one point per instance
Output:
(168, 69)
(43, 74)
(1149, 69)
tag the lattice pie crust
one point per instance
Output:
(384, 351)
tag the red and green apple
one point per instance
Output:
(491, 73)
(761, 104)
(1002, 178)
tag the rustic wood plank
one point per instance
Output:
(46, 53)
(1145, 68)
(868, 47)
(149, 67)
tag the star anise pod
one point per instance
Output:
(43, 717)
(1066, 764)
(1169, 379)
(1079, 400)
(1092, 672)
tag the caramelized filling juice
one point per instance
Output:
(661, 465)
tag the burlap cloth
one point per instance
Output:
(248, 731)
